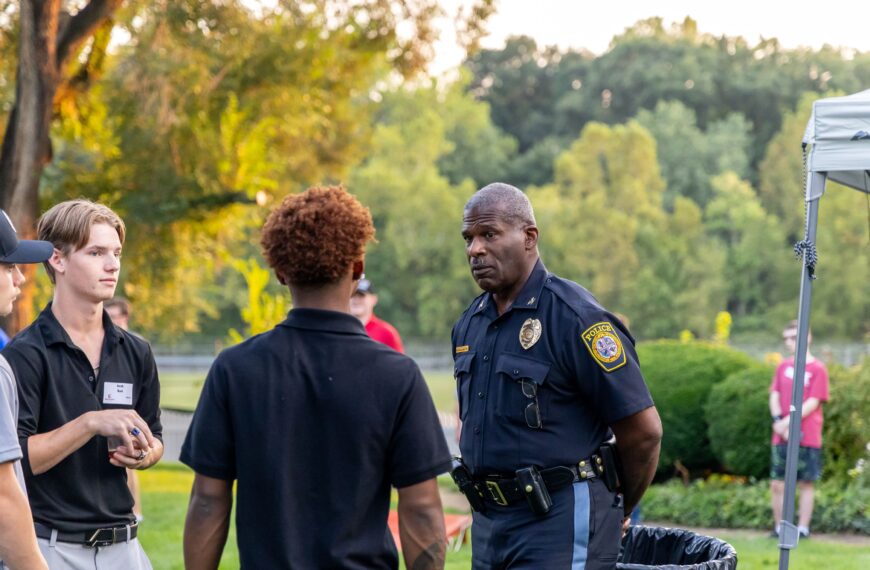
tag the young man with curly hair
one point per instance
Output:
(315, 420)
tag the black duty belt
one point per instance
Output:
(91, 538)
(505, 490)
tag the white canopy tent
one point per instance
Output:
(838, 136)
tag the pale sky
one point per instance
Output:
(591, 25)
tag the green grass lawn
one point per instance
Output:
(166, 487)
(180, 390)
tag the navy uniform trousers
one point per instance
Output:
(582, 531)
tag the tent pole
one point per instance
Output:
(788, 535)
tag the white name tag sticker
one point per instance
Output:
(118, 393)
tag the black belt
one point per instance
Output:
(91, 538)
(504, 490)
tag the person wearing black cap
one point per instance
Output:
(315, 421)
(18, 547)
(89, 398)
(362, 306)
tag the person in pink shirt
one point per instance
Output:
(810, 455)
(362, 306)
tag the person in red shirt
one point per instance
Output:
(362, 306)
(810, 454)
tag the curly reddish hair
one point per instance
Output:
(312, 238)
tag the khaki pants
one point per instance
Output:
(70, 556)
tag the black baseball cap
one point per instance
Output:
(14, 250)
(365, 286)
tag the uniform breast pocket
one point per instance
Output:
(521, 392)
(462, 373)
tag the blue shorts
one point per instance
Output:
(582, 531)
(809, 463)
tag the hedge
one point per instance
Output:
(738, 419)
(724, 501)
(680, 377)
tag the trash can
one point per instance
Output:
(646, 547)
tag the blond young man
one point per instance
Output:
(17, 541)
(89, 398)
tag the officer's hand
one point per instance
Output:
(126, 425)
(626, 522)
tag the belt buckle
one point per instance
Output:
(95, 542)
(495, 493)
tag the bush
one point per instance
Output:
(738, 419)
(680, 376)
(730, 502)
(847, 426)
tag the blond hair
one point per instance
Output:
(68, 226)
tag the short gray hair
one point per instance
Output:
(513, 203)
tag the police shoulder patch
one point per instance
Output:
(604, 345)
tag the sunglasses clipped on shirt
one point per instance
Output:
(533, 410)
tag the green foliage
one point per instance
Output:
(846, 432)
(756, 261)
(680, 377)
(603, 225)
(723, 501)
(480, 151)
(418, 263)
(263, 310)
(738, 421)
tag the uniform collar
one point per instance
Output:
(54, 333)
(529, 296)
(323, 320)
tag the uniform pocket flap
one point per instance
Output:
(462, 364)
(517, 367)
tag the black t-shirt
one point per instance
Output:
(316, 421)
(56, 384)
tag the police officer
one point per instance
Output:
(545, 376)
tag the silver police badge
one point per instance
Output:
(530, 332)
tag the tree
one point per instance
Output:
(50, 37)
(418, 262)
(214, 109)
(480, 151)
(756, 269)
(840, 304)
(689, 156)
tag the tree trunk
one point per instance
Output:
(26, 144)
(48, 38)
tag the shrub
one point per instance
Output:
(847, 426)
(738, 419)
(680, 376)
(729, 502)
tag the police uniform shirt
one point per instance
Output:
(56, 384)
(316, 421)
(555, 349)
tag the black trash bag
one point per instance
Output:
(646, 547)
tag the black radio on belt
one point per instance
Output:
(533, 487)
(610, 470)
(462, 477)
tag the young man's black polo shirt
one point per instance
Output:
(316, 421)
(56, 384)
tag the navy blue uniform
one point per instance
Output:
(539, 386)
